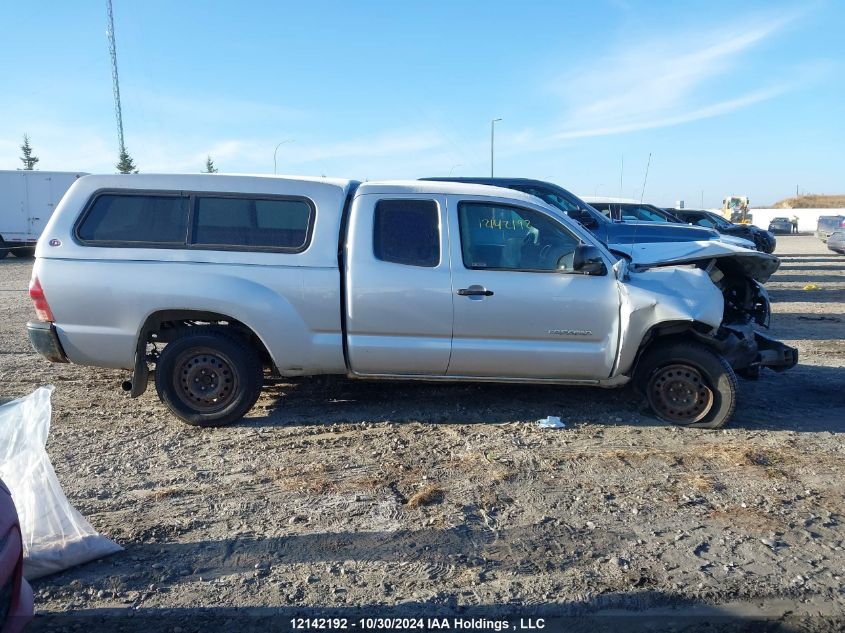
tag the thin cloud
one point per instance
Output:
(656, 83)
(707, 112)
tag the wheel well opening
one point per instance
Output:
(668, 332)
(164, 326)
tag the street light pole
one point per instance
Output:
(288, 140)
(492, 142)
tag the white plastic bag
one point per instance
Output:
(551, 422)
(55, 535)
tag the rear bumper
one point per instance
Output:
(45, 340)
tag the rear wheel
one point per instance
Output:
(688, 384)
(4, 249)
(208, 377)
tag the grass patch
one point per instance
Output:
(429, 495)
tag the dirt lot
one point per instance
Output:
(420, 499)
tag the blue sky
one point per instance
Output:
(729, 98)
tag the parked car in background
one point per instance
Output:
(763, 240)
(780, 225)
(621, 238)
(16, 606)
(836, 241)
(827, 224)
(629, 210)
(217, 279)
(27, 200)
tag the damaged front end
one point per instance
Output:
(746, 305)
(739, 275)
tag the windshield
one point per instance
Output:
(719, 221)
(572, 206)
(631, 212)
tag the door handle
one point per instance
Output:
(475, 291)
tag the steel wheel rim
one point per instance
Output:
(678, 393)
(205, 380)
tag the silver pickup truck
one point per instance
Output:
(215, 281)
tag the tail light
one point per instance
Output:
(39, 300)
(842, 224)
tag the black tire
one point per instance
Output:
(208, 377)
(703, 381)
(4, 250)
(769, 246)
(24, 252)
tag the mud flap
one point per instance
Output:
(140, 372)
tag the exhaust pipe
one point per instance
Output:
(126, 385)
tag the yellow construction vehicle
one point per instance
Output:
(735, 209)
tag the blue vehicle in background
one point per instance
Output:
(617, 236)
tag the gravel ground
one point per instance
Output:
(414, 499)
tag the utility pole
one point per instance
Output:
(492, 141)
(115, 82)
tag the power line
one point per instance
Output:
(115, 82)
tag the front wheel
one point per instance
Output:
(208, 377)
(688, 384)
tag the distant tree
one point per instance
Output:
(126, 165)
(209, 166)
(28, 159)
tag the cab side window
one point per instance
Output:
(502, 237)
(407, 232)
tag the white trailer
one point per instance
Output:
(27, 200)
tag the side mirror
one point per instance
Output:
(588, 260)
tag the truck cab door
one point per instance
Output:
(521, 310)
(398, 286)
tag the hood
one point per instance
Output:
(670, 228)
(628, 233)
(759, 266)
(737, 241)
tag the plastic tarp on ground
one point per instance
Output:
(55, 535)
